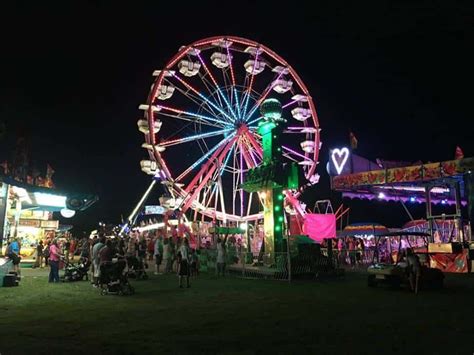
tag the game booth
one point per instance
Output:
(27, 215)
(448, 185)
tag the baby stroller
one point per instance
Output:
(114, 280)
(136, 268)
(76, 272)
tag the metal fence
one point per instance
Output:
(286, 266)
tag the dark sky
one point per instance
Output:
(398, 74)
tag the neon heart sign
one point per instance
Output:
(339, 158)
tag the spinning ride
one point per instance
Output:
(201, 126)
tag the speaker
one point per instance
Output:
(75, 203)
(10, 280)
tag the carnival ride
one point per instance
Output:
(446, 183)
(201, 122)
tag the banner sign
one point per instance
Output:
(154, 210)
(408, 174)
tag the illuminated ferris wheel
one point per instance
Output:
(200, 125)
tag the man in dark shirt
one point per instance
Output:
(39, 254)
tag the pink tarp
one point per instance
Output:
(319, 226)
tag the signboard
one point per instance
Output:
(30, 223)
(154, 210)
(50, 224)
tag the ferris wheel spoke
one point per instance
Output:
(241, 180)
(189, 119)
(202, 159)
(234, 88)
(263, 96)
(293, 152)
(255, 144)
(229, 58)
(195, 137)
(204, 98)
(255, 120)
(289, 103)
(210, 167)
(202, 118)
(219, 91)
(209, 88)
(204, 101)
(194, 99)
(252, 76)
(226, 160)
(252, 156)
(288, 156)
(246, 155)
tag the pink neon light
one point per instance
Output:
(171, 109)
(241, 181)
(251, 154)
(267, 91)
(255, 144)
(230, 64)
(186, 84)
(289, 103)
(295, 153)
(220, 156)
(207, 70)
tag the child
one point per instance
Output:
(194, 263)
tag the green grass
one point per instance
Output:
(235, 316)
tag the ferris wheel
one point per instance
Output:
(200, 125)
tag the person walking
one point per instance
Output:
(158, 252)
(96, 259)
(414, 269)
(85, 251)
(221, 256)
(67, 245)
(46, 253)
(142, 248)
(167, 255)
(151, 247)
(183, 263)
(39, 254)
(54, 255)
(194, 269)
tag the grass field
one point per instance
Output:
(236, 316)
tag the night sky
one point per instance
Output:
(72, 77)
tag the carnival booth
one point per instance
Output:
(447, 183)
(27, 214)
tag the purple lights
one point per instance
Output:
(371, 196)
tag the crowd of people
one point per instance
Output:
(166, 254)
(354, 251)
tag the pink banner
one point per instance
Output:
(319, 226)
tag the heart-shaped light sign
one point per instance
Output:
(339, 158)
